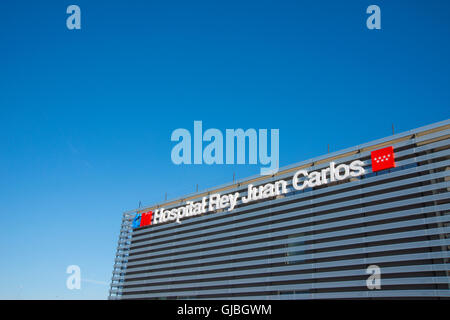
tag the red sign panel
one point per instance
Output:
(382, 159)
(146, 218)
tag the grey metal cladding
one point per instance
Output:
(310, 244)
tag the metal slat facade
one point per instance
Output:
(311, 244)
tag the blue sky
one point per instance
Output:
(86, 115)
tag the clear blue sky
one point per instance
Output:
(86, 116)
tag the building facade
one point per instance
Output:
(366, 222)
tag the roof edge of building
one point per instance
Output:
(368, 146)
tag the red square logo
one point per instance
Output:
(146, 218)
(382, 159)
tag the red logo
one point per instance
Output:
(382, 159)
(146, 218)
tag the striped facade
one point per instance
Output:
(310, 244)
